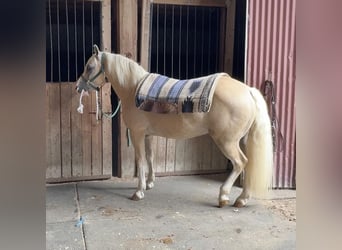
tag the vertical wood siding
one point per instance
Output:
(78, 146)
(271, 56)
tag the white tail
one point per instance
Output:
(259, 150)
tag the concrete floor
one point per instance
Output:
(179, 213)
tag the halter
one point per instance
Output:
(90, 81)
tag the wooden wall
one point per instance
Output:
(79, 148)
(77, 145)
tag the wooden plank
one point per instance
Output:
(66, 97)
(206, 145)
(196, 145)
(214, 159)
(76, 135)
(96, 139)
(145, 34)
(160, 155)
(106, 26)
(209, 3)
(170, 155)
(187, 155)
(180, 154)
(86, 125)
(127, 27)
(104, 135)
(126, 161)
(53, 141)
(127, 43)
(106, 131)
(230, 24)
(218, 159)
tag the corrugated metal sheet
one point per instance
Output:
(271, 56)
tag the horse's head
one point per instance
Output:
(93, 73)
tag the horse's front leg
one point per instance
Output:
(138, 140)
(149, 157)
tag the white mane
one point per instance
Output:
(127, 71)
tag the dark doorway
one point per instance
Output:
(239, 41)
(185, 41)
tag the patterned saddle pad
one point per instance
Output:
(161, 94)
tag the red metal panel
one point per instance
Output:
(271, 56)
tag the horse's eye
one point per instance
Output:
(89, 67)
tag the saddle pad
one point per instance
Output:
(161, 94)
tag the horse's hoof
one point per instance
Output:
(137, 196)
(149, 185)
(223, 203)
(239, 203)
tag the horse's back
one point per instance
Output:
(232, 91)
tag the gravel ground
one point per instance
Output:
(286, 208)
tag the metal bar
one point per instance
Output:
(67, 28)
(173, 27)
(180, 43)
(164, 39)
(92, 22)
(208, 3)
(58, 44)
(218, 40)
(151, 35)
(75, 19)
(209, 41)
(83, 24)
(202, 42)
(195, 34)
(157, 54)
(187, 43)
(246, 58)
(51, 41)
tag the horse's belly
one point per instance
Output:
(177, 127)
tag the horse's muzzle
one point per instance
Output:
(79, 90)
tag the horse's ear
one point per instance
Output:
(96, 49)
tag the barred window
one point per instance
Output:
(72, 27)
(186, 40)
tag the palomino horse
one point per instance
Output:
(238, 122)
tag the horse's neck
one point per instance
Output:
(124, 74)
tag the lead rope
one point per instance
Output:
(98, 107)
(99, 110)
(128, 134)
(80, 106)
(278, 139)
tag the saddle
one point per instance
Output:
(161, 94)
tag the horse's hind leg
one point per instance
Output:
(242, 200)
(149, 157)
(233, 152)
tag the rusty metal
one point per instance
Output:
(271, 57)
